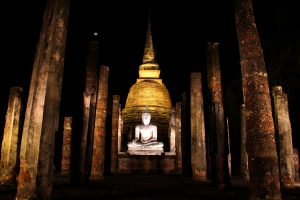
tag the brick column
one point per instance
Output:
(66, 147)
(178, 142)
(296, 166)
(198, 149)
(114, 134)
(284, 131)
(217, 121)
(120, 130)
(244, 155)
(261, 147)
(100, 126)
(173, 130)
(10, 141)
(43, 105)
(89, 111)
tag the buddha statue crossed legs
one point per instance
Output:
(145, 141)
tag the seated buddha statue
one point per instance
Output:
(145, 136)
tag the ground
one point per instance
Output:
(146, 187)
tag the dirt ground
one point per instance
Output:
(146, 187)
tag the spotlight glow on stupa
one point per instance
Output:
(149, 91)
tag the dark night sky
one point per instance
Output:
(180, 33)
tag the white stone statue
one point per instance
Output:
(145, 141)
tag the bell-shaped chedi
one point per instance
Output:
(149, 91)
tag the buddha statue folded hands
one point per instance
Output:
(145, 141)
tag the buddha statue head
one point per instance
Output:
(146, 117)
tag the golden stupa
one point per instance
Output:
(148, 91)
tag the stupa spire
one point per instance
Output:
(149, 62)
(149, 56)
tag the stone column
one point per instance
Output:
(89, 110)
(185, 135)
(244, 155)
(114, 134)
(10, 141)
(66, 147)
(120, 129)
(173, 130)
(284, 131)
(261, 148)
(100, 127)
(229, 149)
(198, 149)
(296, 165)
(43, 105)
(217, 121)
(178, 139)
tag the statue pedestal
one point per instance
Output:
(145, 150)
(146, 164)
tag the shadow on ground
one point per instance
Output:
(145, 187)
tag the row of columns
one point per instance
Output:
(288, 158)
(42, 113)
(198, 149)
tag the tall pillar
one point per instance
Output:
(120, 129)
(172, 130)
(217, 122)
(66, 147)
(185, 135)
(296, 166)
(261, 148)
(229, 149)
(198, 149)
(42, 111)
(114, 134)
(10, 141)
(284, 131)
(89, 111)
(100, 127)
(178, 139)
(244, 155)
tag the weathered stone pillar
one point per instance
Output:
(89, 111)
(217, 122)
(178, 139)
(172, 130)
(185, 135)
(66, 147)
(120, 129)
(42, 112)
(100, 127)
(10, 141)
(114, 133)
(261, 148)
(244, 155)
(229, 149)
(198, 149)
(296, 166)
(284, 131)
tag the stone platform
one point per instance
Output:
(154, 164)
(145, 151)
